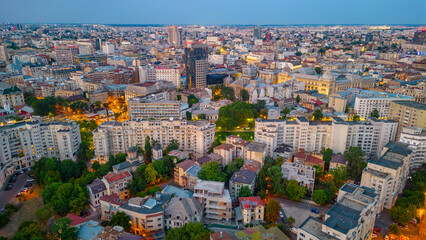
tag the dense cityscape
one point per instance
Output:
(178, 132)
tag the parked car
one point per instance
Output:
(376, 229)
(281, 214)
(293, 230)
(13, 179)
(314, 210)
(8, 187)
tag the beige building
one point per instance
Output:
(252, 209)
(351, 217)
(227, 152)
(143, 109)
(11, 95)
(337, 102)
(114, 137)
(416, 140)
(408, 114)
(215, 200)
(98, 96)
(255, 151)
(117, 183)
(388, 174)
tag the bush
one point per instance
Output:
(4, 220)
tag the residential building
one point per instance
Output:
(175, 36)
(196, 66)
(304, 175)
(215, 199)
(227, 152)
(351, 217)
(338, 160)
(408, 114)
(416, 140)
(143, 109)
(110, 205)
(65, 54)
(180, 172)
(255, 151)
(96, 189)
(168, 73)
(181, 211)
(114, 137)
(239, 179)
(260, 232)
(4, 56)
(148, 88)
(117, 183)
(11, 95)
(252, 209)
(388, 174)
(147, 215)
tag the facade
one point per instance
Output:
(4, 56)
(196, 66)
(116, 183)
(416, 140)
(351, 217)
(239, 179)
(181, 211)
(408, 114)
(170, 74)
(65, 54)
(304, 175)
(144, 109)
(175, 36)
(96, 189)
(388, 174)
(252, 209)
(255, 151)
(147, 215)
(227, 152)
(337, 134)
(147, 88)
(215, 199)
(114, 137)
(11, 95)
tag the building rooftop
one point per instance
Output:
(147, 205)
(97, 186)
(185, 165)
(243, 176)
(394, 156)
(313, 226)
(411, 104)
(113, 199)
(112, 177)
(256, 147)
(210, 186)
(250, 202)
(169, 189)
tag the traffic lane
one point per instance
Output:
(300, 211)
(7, 196)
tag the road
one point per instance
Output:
(300, 211)
(7, 196)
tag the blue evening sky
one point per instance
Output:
(215, 11)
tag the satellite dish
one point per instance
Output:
(171, 119)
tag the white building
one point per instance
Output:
(416, 140)
(304, 175)
(216, 59)
(168, 74)
(108, 49)
(215, 199)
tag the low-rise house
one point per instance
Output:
(240, 179)
(252, 166)
(314, 161)
(180, 171)
(177, 192)
(96, 189)
(284, 150)
(338, 160)
(178, 156)
(117, 183)
(213, 157)
(220, 236)
(304, 175)
(181, 211)
(215, 199)
(252, 209)
(110, 205)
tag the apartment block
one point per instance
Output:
(143, 109)
(388, 173)
(11, 95)
(168, 73)
(351, 217)
(215, 200)
(304, 175)
(337, 134)
(114, 137)
(408, 114)
(416, 140)
(239, 179)
(252, 209)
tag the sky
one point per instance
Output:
(215, 12)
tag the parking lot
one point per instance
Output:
(7, 196)
(299, 210)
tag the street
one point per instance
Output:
(299, 210)
(7, 196)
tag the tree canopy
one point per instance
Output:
(272, 211)
(211, 171)
(62, 229)
(121, 219)
(189, 231)
(356, 162)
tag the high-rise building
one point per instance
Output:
(420, 36)
(408, 114)
(4, 56)
(98, 44)
(388, 173)
(257, 33)
(416, 140)
(142, 108)
(369, 38)
(196, 66)
(65, 54)
(108, 48)
(175, 36)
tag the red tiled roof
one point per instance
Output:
(252, 166)
(217, 236)
(76, 220)
(112, 177)
(250, 202)
(301, 154)
(225, 146)
(185, 165)
(113, 199)
(314, 160)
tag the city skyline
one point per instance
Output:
(237, 12)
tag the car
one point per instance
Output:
(293, 230)
(87, 213)
(13, 179)
(281, 214)
(21, 171)
(378, 216)
(8, 187)
(377, 229)
(314, 210)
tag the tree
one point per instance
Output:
(173, 145)
(375, 113)
(178, 97)
(320, 196)
(276, 180)
(294, 191)
(327, 158)
(29, 230)
(291, 220)
(272, 211)
(147, 153)
(356, 118)
(188, 115)
(62, 229)
(68, 169)
(356, 163)
(298, 54)
(191, 100)
(245, 192)
(403, 215)
(189, 231)
(151, 174)
(394, 229)
(285, 112)
(317, 115)
(44, 213)
(120, 219)
(98, 104)
(212, 172)
(244, 94)
(96, 165)
(339, 177)
(318, 70)
(297, 98)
